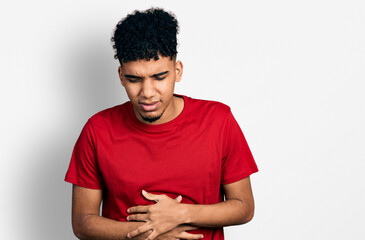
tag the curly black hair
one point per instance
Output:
(144, 35)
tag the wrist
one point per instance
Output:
(184, 216)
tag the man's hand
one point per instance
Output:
(180, 232)
(161, 217)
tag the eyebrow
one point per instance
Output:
(137, 77)
(159, 74)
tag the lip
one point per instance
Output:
(149, 106)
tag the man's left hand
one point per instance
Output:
(161, 217)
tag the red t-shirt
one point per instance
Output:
(192, 155)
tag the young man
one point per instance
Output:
(161, 162)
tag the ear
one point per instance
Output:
(178, 70)
(120, 75)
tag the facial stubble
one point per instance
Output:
(152, 119)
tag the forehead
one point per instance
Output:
(142, 67)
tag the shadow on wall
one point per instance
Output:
(90, 86)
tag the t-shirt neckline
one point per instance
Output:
(162, 126)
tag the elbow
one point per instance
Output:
(77, 231)
(247, 214)
(78, 228)
(246, 218)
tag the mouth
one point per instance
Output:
(149, 106)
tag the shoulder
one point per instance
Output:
(110, 115)
(214, 111)
(209, 106)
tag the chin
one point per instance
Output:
(152, 118)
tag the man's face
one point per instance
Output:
(150, 87)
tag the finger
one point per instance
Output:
(138, 209)
(186, 235)
(179, 198)
(187, 228)
(140, 230)
(152, 197)
(152, 236)
(137, 217)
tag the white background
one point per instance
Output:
(292, 72)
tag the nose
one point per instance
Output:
(148, 89)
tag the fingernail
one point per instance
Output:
(128, 235)
(127, 218)
(144, 192)
(128, 211)
(201, 236)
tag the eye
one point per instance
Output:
(132, 80)
(160, 78)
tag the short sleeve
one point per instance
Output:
(238, 162)
(83, 169)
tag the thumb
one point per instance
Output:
(150, 196)
(179, 198)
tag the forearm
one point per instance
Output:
(92, 227)
(168, 213)
(230, 212)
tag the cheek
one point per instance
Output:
(166, 86)
(132, 90)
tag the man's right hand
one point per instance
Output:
(88, 224)
(180, 232)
